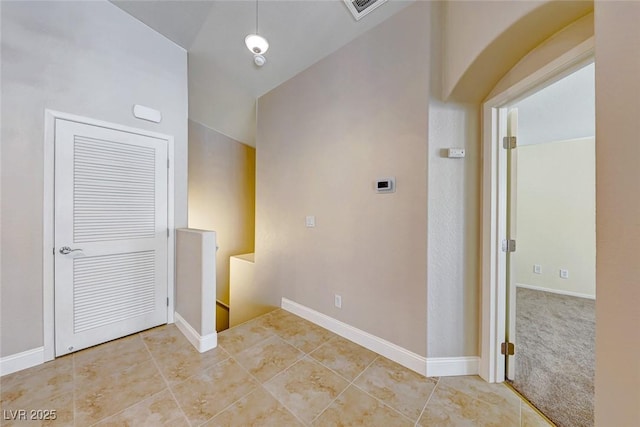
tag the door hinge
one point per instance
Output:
(509, 142)
(167, 163)
(167, 232)
(508, 246)
(507, 348)
(167, 301)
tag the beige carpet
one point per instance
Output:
(555, 343)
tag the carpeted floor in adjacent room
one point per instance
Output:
(555, 361)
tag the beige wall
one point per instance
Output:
(551, 49)
(323, 138)
(479, 39)
(618, 213)
(222, 199)
(85, 58)
(556, 216)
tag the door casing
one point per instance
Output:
(494, 202)
(48, 219)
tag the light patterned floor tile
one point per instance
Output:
(301, 333)
(180, 364)
(164, 339)
(476, 387)
(449, 407)
(36, 384)
(397, 386)
(268, 358)
(355, 408)
(57, 411)
(158, 410)
(94, 363)
(243, 336)
(344, 357)
(530, 418)
(205, 395)
(258, 409)
(111, 394)
(306, 388)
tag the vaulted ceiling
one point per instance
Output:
(300, 32)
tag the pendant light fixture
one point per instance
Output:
(257, 44)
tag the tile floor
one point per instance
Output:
(276, 370)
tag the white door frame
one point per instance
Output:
(494, 199)
(48, 225)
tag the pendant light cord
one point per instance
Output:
(256, 16)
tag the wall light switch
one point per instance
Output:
(310, 221)
(537, 268)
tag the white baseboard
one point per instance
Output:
(400, 355)
(201, 343)
(555, 291)
(452, 366)
(431, 367)
(19, 361)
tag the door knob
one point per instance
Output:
(67, 250)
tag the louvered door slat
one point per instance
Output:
(111, 201)
(100, 213)
(119, 297)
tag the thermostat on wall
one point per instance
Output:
(386, 185)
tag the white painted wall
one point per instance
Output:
(89, 59)
(452, 216)
(618, 213)
(556, 217)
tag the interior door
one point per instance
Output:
(512, 162)
(110, 234)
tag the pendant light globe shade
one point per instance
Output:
(256, 44)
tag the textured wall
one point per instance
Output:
(323, 138)
(556, 215)
(89, 59)
(618, 213)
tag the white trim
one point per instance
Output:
(19, 361)
(48, 225)
(398, 354)
(493, 264)
(556, 291)
(201, 343)
(452, 366)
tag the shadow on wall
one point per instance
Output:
(222, 199)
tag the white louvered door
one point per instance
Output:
(110, 234)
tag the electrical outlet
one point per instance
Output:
(537, 268)
(564, 273)
(337, 300)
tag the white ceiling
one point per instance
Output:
(300, 32)
(562, 111)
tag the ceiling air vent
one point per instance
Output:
(360, 8)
